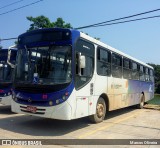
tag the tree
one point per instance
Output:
(156, 77)
(44, 22)
(61, 23)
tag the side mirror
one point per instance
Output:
(82, 61)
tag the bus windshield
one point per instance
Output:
(44, 65)
(5, 72)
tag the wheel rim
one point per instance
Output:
(100, 110)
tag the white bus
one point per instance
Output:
(65, 74)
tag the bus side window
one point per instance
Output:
(84, 75)
(127, 68)
(116, 65)
(151, 75)
(135, 71)
(141, 73)
(147, 74)
(103, 62)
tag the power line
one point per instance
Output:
(88, 26)
(8, 39)
(11, 4)
(128, 21)
(100, 24)
(106, 24)
(21, 7)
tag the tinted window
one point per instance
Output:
(127, 69)
(135, 71)
(116, 65)
(85, 74)
(134, 66)
(141, 69)
(142, 75)
(147, 74)
(85, 47)
(151, 75)
(40, 36)
(146, 71)
(116, 59)
(103, 62)
(126, 63)
(103, 55)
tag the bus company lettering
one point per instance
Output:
(116, 86)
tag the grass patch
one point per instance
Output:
(154, 103)
(155, 100)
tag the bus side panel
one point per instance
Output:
(117, 93)
(86, 100)
(6, 100)
(137, 87)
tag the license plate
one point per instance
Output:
(32, 109)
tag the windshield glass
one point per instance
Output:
(5, 72)
(44, 65)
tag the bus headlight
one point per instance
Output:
(63, 97)
(50, 103)
(57, 101)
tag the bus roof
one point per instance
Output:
(92, 40)
(112, 49)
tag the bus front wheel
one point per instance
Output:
(100, 111)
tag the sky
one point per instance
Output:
(139, 39)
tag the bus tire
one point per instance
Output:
(142, 102)
(100, 111)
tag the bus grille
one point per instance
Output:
(39, 111)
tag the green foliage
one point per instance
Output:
(155, 100)
(60, 23)
(44, 22)
(157, 77)
(16, 42)
(41, 21)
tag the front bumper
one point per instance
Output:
(6, 100)
(62, 111)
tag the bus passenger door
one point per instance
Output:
(84, 78)
(84, 83)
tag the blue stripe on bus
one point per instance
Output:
(39, 100)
